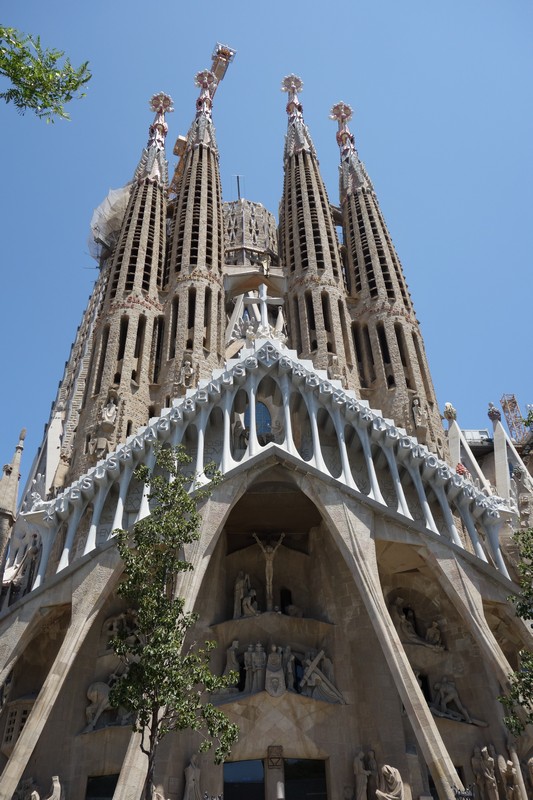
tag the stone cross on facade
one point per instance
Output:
(263, 301)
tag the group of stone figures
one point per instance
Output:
(496, 778)
(371, 782)
(29, 790)
(281, 670)
(445, 701)
(244, 596)
(125, 625)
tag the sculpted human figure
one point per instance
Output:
(192, 780)
(242, 586)
(258, 667)
(361, 776)
(477, 769)
(446, 693)
(269, 552)
(288, 667)
(249, 604)
(232, 662)
(108, 413)
(249, 668)
(489, 776)
(433, 635)
(186, 374)
(372, 766)
(392, 788)
(510, 778)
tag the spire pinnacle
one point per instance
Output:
(292, 84)
(298, 137)
(153, 164)
(353, 173)
(160, 104)
(207, 82)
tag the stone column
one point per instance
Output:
(274, 774)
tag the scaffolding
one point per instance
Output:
(515, 421)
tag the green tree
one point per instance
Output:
(41, 82)
(518, 703)
(167, 678)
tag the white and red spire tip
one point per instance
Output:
(161, 103)
(341, 112)
(207, 82)
(292, 84)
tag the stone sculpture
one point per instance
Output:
(372, 767)
(275, 677)
(249, 669)
(361, 776)
(510, 781)
(242, 586)
(405, 625)
(477, 768)
(434, 636)
(281, 669)
(489, 776)
(232, 661)
(315, 684)
(192, 780)
(249, 605)
(269, 552)
(288, 667)
(445, 694)
(392, 786)
(258, 668)
(186, 378)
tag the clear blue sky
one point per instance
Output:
(444, 123)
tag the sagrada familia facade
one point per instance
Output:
(355, 561)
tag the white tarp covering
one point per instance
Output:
(106, 221)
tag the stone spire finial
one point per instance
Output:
(207, 82)
(292, 84)
(298, 138)
(161, 104)
(352, 173)
(153, 164)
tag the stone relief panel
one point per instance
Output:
(277, 669)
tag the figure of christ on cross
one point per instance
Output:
(269, 552)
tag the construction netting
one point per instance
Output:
(106, 222)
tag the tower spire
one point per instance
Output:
(8, 497)
(121, 384)
(310, 251)
(193, 275)
(298, 137)
(153, 164)
(391, 361)
(352, 172)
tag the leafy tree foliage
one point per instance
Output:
(166, 679)
(519, 702)
(40, 82)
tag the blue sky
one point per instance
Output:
(443, 121)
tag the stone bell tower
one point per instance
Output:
(392, 367)
(309, 250)
(193, 279)
(127, 345)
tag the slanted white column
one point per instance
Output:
(124, 485)
(375, 491)
(72, 529)
(98, 505)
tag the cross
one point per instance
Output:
(263, 301)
